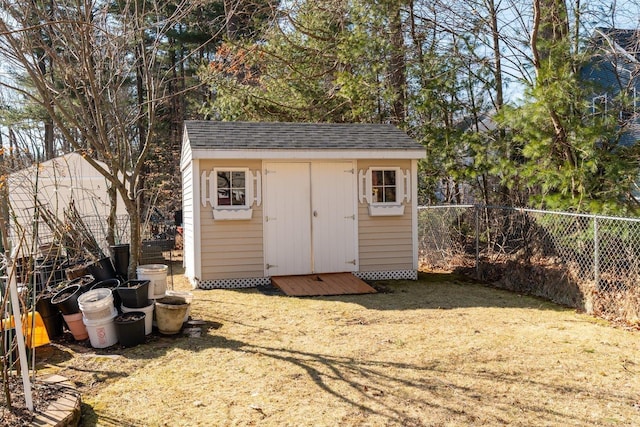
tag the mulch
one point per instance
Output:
(43, 394)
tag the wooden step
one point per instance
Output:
(322, 284)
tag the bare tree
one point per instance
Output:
(103, 86)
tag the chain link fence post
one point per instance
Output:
(476, 210)
(596, 253)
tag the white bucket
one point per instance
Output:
(102, 332)
(148, 318)
(156, 274)
(96, 304)
(188, 297)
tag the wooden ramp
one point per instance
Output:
(321, 284)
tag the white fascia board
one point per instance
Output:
(284, 154)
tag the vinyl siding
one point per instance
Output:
(385, 242)
(231, 249)
(188, 222)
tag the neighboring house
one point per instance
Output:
(54, 184)
(273, 199)
(614, 70)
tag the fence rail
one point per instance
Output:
(588, 262)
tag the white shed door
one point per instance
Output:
(310, 222)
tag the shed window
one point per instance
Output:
(383, 186)
(231, 192)
(231, 188)
(384, 189)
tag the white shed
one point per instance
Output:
(276, 199)
(54, 184)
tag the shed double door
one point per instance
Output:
(310, 218)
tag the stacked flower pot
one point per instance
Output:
(98, 312)
(134, 295)
(66, 300)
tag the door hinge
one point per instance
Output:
(350, 217)
(269, 218)
(351, 262)
(351, 171)
(268, 266)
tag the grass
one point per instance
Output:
(438, 352)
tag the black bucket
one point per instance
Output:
(130, 328)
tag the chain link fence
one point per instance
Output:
(588, 262)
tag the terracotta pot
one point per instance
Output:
(76, 326)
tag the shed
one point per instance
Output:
(276, 199)
(54, 184)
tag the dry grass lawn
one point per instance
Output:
(436, 352)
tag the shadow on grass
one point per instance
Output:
(90, 418)
(369, 387)
(392, 389)
(438, 291)
(396, 390)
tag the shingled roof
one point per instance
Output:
(296, 136)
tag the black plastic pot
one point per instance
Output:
(45, 307)
(76, 270)
(102, 269)
(121, 260)
(112, 284)
(66, 299)
(51, 316)
(134, 293)
(85, 282)
(130, 328)
(54, 325)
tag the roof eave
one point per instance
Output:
(284, 154)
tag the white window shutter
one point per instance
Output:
(213, 189)
(204, 190)
(257, 178)
(407, 185)
(400, 191)
(362, 186)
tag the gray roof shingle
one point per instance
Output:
(297, 136)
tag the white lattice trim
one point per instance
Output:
(265, 281)
(233, 283)
(387, 275)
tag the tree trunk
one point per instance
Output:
(397, 65)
